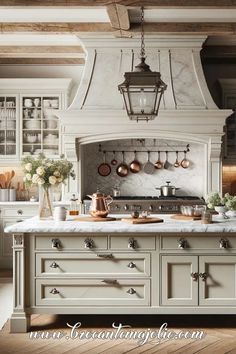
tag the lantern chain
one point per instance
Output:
(142, 51)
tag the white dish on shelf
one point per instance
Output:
(32, 124)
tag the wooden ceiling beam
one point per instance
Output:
(207, 28)
(130, 3)
(119, 17)
(42, 61)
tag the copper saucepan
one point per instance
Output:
(135, 165)
(122, 169)
(104, 169)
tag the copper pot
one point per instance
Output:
(122, 169)
(99, 204)
(135, 165)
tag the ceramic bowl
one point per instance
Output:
(33, 124)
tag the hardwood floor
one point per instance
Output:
(220, 335)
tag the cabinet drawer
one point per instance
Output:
(99, 264)
(205, 243)
(19, 211)
(140, 242)
(81, 292)
(69, 242)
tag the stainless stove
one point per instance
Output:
(155, 205)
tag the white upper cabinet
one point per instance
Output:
(28, 120)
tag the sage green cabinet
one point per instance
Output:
(219, 286)
(198, 280)
(178, 287)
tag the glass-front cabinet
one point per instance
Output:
(40, 125)
(28, 120)
(9, 122)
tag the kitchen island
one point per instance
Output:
(78, 267)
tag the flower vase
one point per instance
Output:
(221, 209)
(45, 203)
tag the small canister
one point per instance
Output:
(12, 195)
(4, 195)
(60, 213)
(206, 217)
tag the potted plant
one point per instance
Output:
(230, 203)
(215, 201)
(45, 173)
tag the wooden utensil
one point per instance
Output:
(12, 175)
(7, 178)
(2, 180)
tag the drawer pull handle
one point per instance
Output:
(88, 243)
(194, 276)
(203, 276)
(54, 291)
(224, 243)
(56, 243)
(131, 265)
(54, 265)
(131, 291)
(182, 243)
(20, 220)
(20, 212)
(110, 281)
(106, 256)
(132, 243)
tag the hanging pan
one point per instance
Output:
(149, 168)
(104, 169)
(122, 169)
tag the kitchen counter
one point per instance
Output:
(34, 225)
(28, 203)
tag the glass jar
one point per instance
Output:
(206, 217)
(74, 207)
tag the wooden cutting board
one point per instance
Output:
(92, 218)
(142, 220)
(185, 217)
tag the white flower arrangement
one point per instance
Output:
(230, 201)
(46, 172)
(214, 199)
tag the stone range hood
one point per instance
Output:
(187, 111)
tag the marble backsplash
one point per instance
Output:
(190, 180)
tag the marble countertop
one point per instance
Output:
(33, 225)
(28, 203)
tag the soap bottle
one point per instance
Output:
(74, 207)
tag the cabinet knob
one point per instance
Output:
(132, 243)
(54, 265)
(194, 276)
(131, 265)
(19, 212)
(110, 281)
(182, 243)
(131, 291)
(203, 276)
(88, 243)
(224, 243)
(56, 243)
(106, 256)
(54, 291)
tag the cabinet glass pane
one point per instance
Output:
(40, 125)
(8, 125)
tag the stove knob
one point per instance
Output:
(126, 207)
(117, 207)
(150, 208)
(160, 207)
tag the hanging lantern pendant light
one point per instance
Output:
(142, 89)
